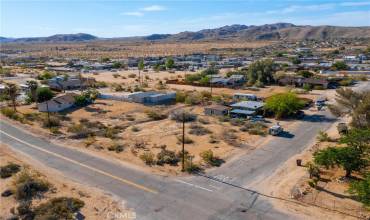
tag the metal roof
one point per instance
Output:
(242, 112)
(248, 104)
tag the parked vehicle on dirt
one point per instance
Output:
(275, 130)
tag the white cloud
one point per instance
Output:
(353, 4)
(154, 8)
(133, 13)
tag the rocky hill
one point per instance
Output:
(278, 31)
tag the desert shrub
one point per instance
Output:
(180, 97)
(323, 136)
(110, 132)
(25, 210)
(79, 130)
(213, 140)
(187, 140)
(148, 158)
(156, 115)
(204, 121)
(255, 128)
(135, 129)
(193, 99)
(55, 130)
(117, 147)
(59, 208)
(191, 167)
(167, 157)
(210, 159)
(53, 121)
(224, 118)
(346, 82)
(198, 130)
(10, 113)
(130, 118)
(237, 121)
(27, 186)
(307, 87)
(9, 169)
(318, 87)
(179, 116)
(115, 75)
(32, 116)
(132, 75)
(89, 140)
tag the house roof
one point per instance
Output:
(236, 76)
(242, 112)
(248, 104)
(217, 107)
(66, 98)
(245, 94)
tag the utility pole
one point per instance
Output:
(47, 109)
(210, 85)
(183, 142)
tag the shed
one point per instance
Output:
(218, 110)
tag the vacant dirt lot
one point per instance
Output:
(135, 133)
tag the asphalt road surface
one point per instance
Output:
(218, 194)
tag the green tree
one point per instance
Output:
(5, 72)
(210, 71)
(117, 65)
(105, 59)
(261, 71)
(295, 60)
(349, 158)
(140, 67)
(33, 85)
(357, 138)
(361, 189)
(44, 94)
(283, 104)
(353, 103)
(170, 63)
(339, 65)
(305, 73)
(12, 91)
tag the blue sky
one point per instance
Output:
(121, 18)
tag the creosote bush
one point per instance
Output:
(167, 157)
(198, 130)
(28, 186)
(179, 116)
(148, 158)
(9, 169)
(58, 208)
(156, 115)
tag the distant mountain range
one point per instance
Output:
(278, 31)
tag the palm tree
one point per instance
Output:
(12, 91)
(33, 85)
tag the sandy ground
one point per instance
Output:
(290, 179)
(151, 133)
(98, 204)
